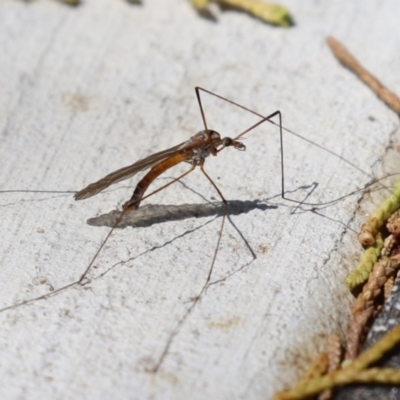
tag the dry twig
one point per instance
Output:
(354, 372)
(356, 331)
(318, 367)
(388, 287)
(344, 56)
(334, 360)
(371, 290)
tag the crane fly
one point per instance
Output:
(194, 152)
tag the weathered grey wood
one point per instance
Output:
(86, 91)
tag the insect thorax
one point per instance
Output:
(202, 149)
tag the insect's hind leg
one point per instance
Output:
(221, 229)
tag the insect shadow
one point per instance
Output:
(151, 214)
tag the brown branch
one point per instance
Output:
(343, 55)
(356, 330)
(334, 360)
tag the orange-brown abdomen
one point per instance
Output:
(133, 203)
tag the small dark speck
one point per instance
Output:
(371, 118)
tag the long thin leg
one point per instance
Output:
(205, 285)
(83, 276)
(281, 142)
(212, 148)
(74, 283)
(263, 119)
(221, 229)
(282, 128)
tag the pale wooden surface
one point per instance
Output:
(88, 90)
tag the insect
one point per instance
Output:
(195, 151)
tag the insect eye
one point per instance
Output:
(227, 142)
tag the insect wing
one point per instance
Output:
(129, 171)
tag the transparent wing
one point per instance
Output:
(129, 171)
